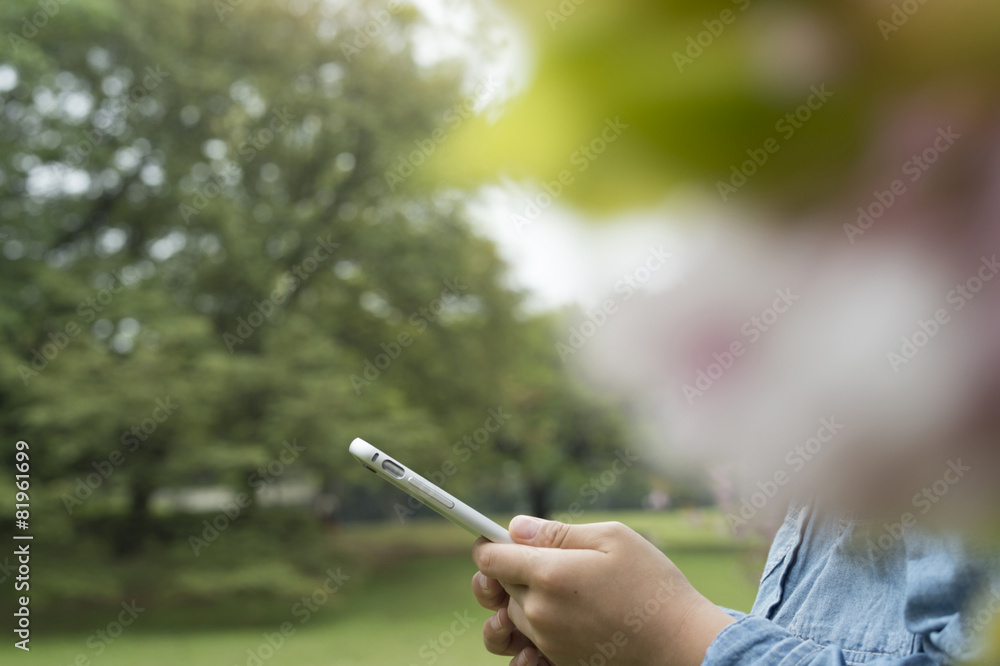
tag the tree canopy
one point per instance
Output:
(214, 256)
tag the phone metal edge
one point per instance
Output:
(462, 514)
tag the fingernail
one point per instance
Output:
(524, 527)
(484, 582)
(495, 622)
(522, 659)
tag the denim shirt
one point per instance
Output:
(837, 592)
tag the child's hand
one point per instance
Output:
(580, 591)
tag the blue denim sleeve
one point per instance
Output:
(759, 642)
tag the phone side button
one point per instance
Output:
(430, 492)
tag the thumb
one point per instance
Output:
(540, 533)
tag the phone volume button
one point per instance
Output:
(431, 492)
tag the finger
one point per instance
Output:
(529, 656)
(531, 531)
(510, 563)
(515, 611)
(488, 592)
(515, 593)
(500, 636)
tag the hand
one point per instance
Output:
(499, 634)
(580, 591)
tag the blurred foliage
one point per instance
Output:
(697, 92)
(204, 265)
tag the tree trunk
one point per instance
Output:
(538, 494)
(135, 528)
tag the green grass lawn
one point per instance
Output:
(408, 586)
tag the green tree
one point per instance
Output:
(209, 255)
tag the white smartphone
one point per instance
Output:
(426, 492)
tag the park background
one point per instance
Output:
(236, 235)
